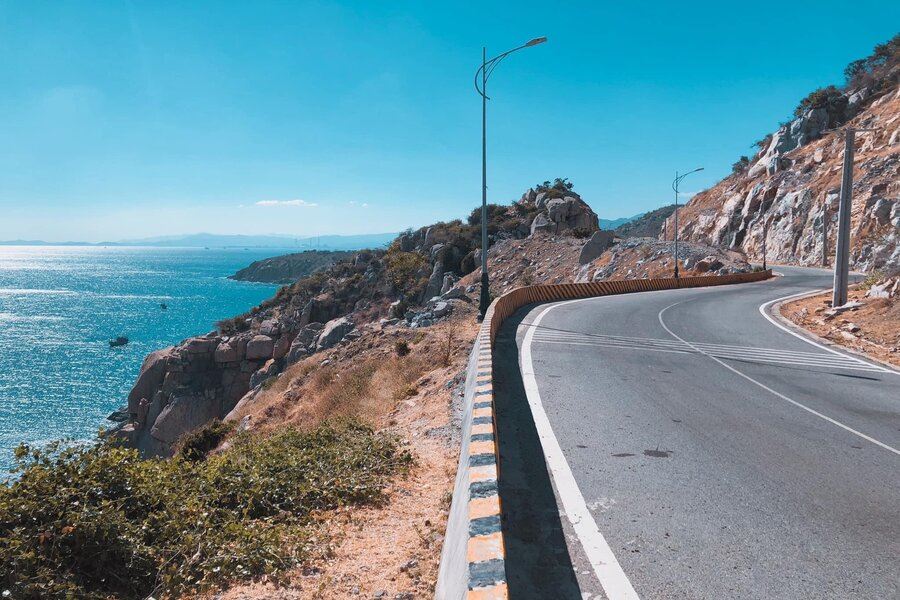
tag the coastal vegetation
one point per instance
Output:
(290, 267)
(99, 522)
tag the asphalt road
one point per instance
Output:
(714, 454)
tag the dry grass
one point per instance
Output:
(395, 548)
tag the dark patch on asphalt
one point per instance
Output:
(856, 376)
(676, 420)
(623, 454)
(658, 453)
(581, 445)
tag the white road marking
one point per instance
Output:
(745, 353)
(607, 569)
(764, 312)
(659, 316)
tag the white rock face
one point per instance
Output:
(787, 202)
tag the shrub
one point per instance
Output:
(741, 165)
(830, 98)
(582, 232)
(233, 325)
(100, 522)
(401, 348)
(407, 272)
(198, 443)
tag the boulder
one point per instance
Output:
(435, 281)
(454, 294)
(449, 281)
(260, 347)
(564, 214)
(150, 379)
(333, 332)
(304, 343)
(596, 245)
(281, 348)
(269, 327)
(541, 224)
(227, 352)
(441, 309)
(181, 415)
(199, 345)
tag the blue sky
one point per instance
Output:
(129, 119)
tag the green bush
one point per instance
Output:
(99, 522)
(197, 444)
(408, 271)
(741, 165)
(830, 98)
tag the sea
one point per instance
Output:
(60, 306)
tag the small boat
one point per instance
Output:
(119, 341)
(163, 305)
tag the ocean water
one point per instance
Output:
(60, 306)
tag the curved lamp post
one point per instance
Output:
(675, 183)
(484, 72)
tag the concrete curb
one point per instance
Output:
(473, 556)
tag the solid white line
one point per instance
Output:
(607, 569)
(770, 319)
(659, 316)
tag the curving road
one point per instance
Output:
(679, 444)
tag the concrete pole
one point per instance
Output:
(842, 253)
(825, 219)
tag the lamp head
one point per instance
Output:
(536, 41)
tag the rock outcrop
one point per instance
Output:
(787, 198)
(559, 211)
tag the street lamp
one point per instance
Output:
(485, 71)
(675, 183)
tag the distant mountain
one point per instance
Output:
(614, 223)
(210, 240)
(646, 225)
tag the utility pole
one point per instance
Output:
(765, 236)
(842, 252)
(825, 235)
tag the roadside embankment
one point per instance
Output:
(869, 323)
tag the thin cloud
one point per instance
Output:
(296, 202)
(355, 203)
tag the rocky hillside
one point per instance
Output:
(647, 225)
(413, 282)
(790, 188)
(290, 267)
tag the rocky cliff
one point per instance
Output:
(788, 193)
